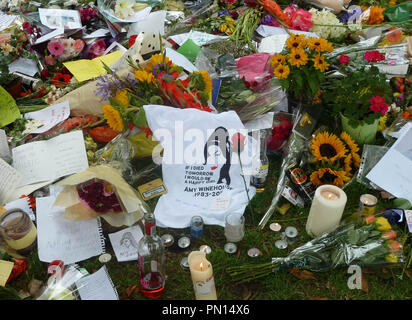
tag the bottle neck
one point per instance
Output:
(262, 143)
(150, 225)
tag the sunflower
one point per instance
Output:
(329, 176)
(348, 164)
(298, 57)
(277, 59)
(143, 76)
(155, 60)
(122, 97)
(282, 71)
(113, 117)
(352, 147)
(207, 80)
(328, 147)
(296, 41)
(320, 63)
(319, 44)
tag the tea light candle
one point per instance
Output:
(326, 210)
(202, 276)
(367, 204)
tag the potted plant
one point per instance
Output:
(360, 98)
(301, 68)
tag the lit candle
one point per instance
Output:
(202, 276)
(367, 204)
(326, 210)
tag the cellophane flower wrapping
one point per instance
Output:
(350, 244)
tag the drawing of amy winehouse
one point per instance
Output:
(218, 151)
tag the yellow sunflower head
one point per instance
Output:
(348, 164)
(320, 63)
(143, 76)
(122, 97)
(329, 176)
(319, 44)
(207, 80)
(282, 71)
(277, 59)
(327, 147)
(296, 41)
(155, 60)
(298, 57)
(113, 117)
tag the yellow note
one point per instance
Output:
(5, 270)
(89, 69)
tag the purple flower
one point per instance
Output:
(223, 13)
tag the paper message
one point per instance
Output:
(6, 20)
(124, 243)
(5, 271)
(60, 18)
(61, 239)
(273, 44)
(9, 180)
(97, 286)
(392, 172)
(154, 23)
(97, 34)
(50, 35)
(22, 204)
(48, 160)
(266, 31)
(8, 108)
(50, 116)
(84, 69)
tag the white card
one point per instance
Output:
(393, 171)
(4, 146)
(408, 218)
(50, 116)
(48, 160)
(60, 18)
(22, 204)
(50, 35)
(180, 60)
(273, 44)
(221, 203)
(97, 34)
(266, 31)
(9, 180)
(97, 286)
(124, 243)
(25, 66)
(154, 23)
(59, 238)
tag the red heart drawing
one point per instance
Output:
(213, 168)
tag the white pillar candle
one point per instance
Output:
(202, 276)
(326, 210)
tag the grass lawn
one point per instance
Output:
(379, 283)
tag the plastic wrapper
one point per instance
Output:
(400, 12)
(370, 157)
(349, 244)
(62, 283)
(336, 6)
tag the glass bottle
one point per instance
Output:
(18, 231)
(152, 260)
(258, 180)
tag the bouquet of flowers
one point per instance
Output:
(370, 244)
(280, 132)
(301, 67)
(100, 191)
(63, 49)
(159, 81)
(335, 159)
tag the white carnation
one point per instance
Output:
(325, 17)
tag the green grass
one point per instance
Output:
(383, 283)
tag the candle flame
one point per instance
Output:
(201, 266)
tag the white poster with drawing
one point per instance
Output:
(124, 243)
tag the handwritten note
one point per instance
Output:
(97, 286)
(9, 180)
(22, 204)
(392, 172)
(124, 243)
(5, 270)
(50, 116)
(84, 69)
(8, 108)
(61, 239)
(47, 160)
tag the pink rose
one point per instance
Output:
(78, 45)
(50, 60)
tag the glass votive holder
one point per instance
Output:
(18, 230)
(196, 226)
(234, 227)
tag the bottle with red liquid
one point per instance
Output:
(152, 260)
